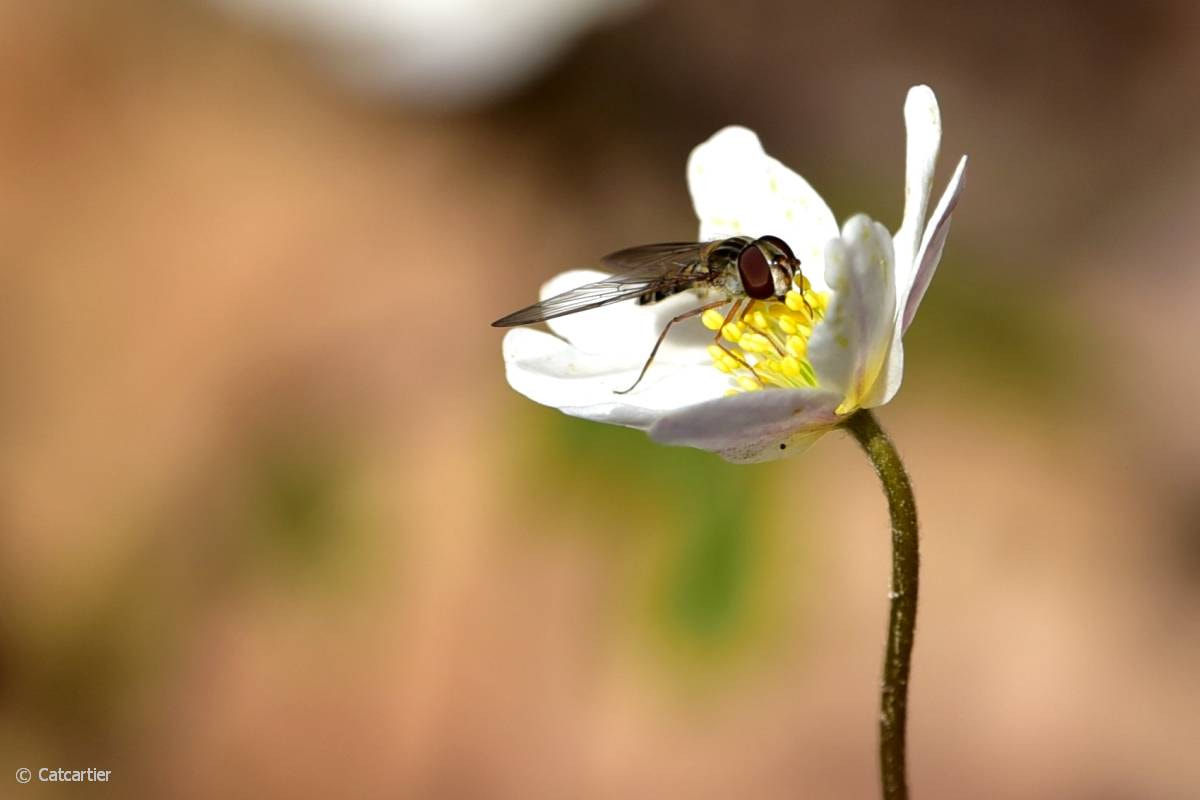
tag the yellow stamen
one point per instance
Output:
(712, 319)
(753, 354)
(755, 343)
(749, 384)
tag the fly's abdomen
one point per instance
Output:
(653, 297)
(692, 275)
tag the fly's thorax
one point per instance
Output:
(730, 283)
(721, 259)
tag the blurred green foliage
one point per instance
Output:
(1006, 337)
(292, 502)
(293, 514)
(697, 520)
(1000, 327)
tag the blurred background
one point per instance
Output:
(272, 524)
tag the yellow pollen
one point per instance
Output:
(756, 343)
(749, 384)
(712, 319)
(768, 345)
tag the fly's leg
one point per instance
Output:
(812, 312)
(662, 336)
(766, 334)
(733, 312)
(738, 359)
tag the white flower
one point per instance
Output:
(833, 348)
(437, 51)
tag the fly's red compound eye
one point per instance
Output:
(781, 244)
(755, 273)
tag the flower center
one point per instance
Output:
(766, 344)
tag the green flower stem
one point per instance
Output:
(903, 615)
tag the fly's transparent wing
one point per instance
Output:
(664, 257)
(657, 268)
(593, 295)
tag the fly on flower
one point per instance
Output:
(841, 324)
(739, 271)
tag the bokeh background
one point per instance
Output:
(273, 525)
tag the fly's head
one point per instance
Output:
(766, 267)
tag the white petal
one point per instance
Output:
(891, 374)
(628, 329)
(923, 122)
(752, 426)
(931, 246)
(849, 348)
(738, 189)
(553, 372)
(727, 176)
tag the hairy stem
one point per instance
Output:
(903, 613)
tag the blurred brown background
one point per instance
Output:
(273, 525)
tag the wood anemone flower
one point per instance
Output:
(834, 346)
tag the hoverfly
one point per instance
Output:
(740, 269)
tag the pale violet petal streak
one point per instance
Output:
(923, 123)
(928, 257)
(737, 189)
(849, 347)
(931, 247)
(553, 372)
(751, 427)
